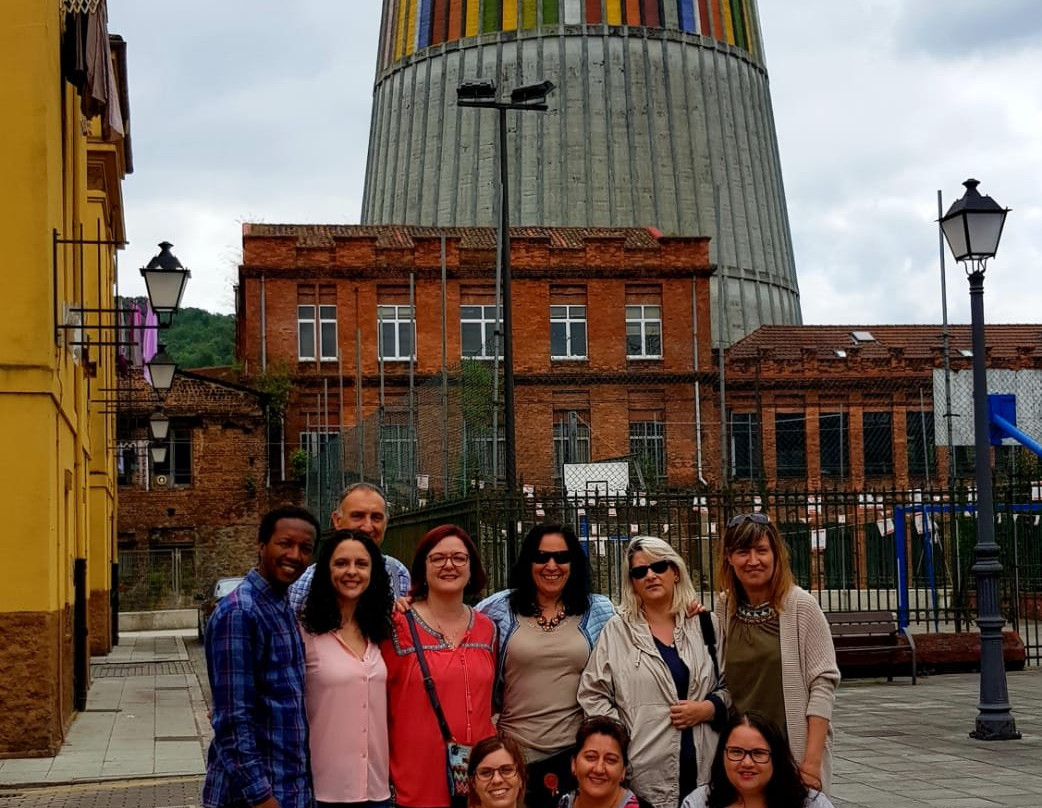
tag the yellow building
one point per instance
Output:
(61, 221)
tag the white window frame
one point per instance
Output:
(327, 348)
(638, 314)
(312, 440)
(306, 322)
(571, 316)
(398, 452)
(486, 320)
(401, 316)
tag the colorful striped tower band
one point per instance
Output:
(411, 26)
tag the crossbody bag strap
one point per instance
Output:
(705, 620)
(428, 682)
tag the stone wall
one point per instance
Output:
(38, 656)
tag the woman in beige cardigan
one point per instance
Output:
(777, 645)
(652, 670)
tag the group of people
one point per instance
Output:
(358, 681)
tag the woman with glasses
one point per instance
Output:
(496, 774)
(754, 768)
(548, 624)
(780, 659)
(457, 646)
(346, 615)
(653, 670)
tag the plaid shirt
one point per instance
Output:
(396, 571)
(255, 661)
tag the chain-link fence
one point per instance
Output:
(151, 580)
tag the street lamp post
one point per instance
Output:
(972, 227)
(529, 98)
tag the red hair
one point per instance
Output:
(429, 542)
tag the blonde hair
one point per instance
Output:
(657, 550)
(743, 536)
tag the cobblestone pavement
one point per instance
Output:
(174, 792)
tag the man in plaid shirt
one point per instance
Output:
(255, 662)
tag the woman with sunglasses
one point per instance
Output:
(458, 647)
(777, 645)
(652, 669)
(548, 624)
(496, 774)
(754, 768)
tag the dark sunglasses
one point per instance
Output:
(658, 567)
(758, 518)
(544, 556)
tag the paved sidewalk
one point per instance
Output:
(145, 717)
(904, 746)
(896, 745)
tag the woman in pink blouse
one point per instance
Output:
(459, 645)
(345, 617)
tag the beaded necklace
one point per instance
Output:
(551, 623)
(762, 613)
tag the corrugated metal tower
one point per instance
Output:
(661, 117)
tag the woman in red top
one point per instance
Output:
(459, 646)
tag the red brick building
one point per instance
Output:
(861, 407)
(194, 517)
(611, 336)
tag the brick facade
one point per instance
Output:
(827, 379)
(209, 499)
(357, 269)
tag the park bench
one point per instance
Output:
(870, 638)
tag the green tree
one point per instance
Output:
(199, 338)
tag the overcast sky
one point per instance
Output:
(259, 111)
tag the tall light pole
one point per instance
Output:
(529, 98)
(972, 227)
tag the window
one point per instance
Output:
(745, 445)
(568, 332)
(398, 453)
(177, 468)
(132, 462)
(648, 445)
(397, 332)
(643, 332)
(478, 332)
(478, 456)
(313, 441)
(834, 440)
(965, 461)
(316, 323)
(790, 436)
(878, 435)
(306, 333)
(571, 439)
(922, 450)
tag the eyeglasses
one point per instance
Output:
(441, 559)
(736, 754)
(658, 567)
(506, 771)
(758, 518)
(544, 556)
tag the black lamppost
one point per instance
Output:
(972, 227)
(531, 97)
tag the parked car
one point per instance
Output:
(224, 586)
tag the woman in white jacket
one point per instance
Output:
(653, 670)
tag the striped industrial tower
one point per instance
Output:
(661, 117)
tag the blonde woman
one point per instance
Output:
(652, 669)
(777, 643)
